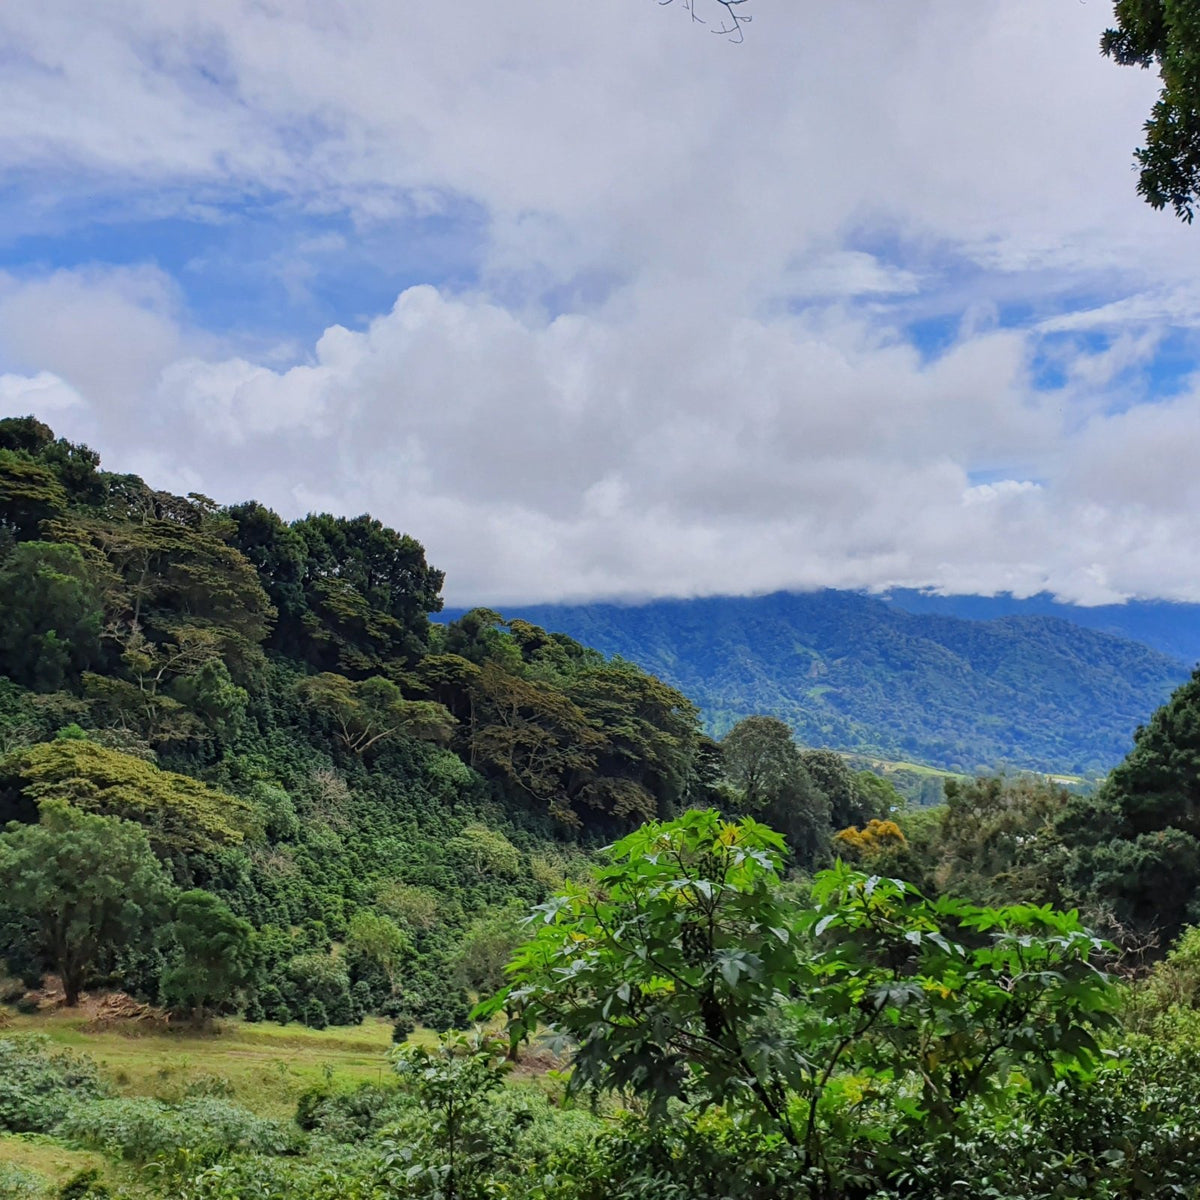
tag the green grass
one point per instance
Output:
(46, 1158)
(264, 1066)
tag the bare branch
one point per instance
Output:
(731, 15)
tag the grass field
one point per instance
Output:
(26, 1158)
(263, 1067)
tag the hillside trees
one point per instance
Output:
(581, 737)
(1136, 844)
(180, 814)
(53, 607)
(353, 596)
(366, 712)
(89, 885)
(806, 794)
(215, 955)
(762, 761)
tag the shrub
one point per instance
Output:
(38, 1085)
(17, 1183)
(348, 1116)
(84, 1185)
(315, 1016)
(141, 1129)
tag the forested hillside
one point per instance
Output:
(253, 725)
(853, 672)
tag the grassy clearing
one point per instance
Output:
(264, 1066)
(47, 1159)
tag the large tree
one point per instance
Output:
(763, 764)
(1138, 841)
(214, 958)
(180, 813)
(90, 886)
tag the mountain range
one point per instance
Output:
(961, 683)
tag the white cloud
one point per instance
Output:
(575, 457)
(43, 393)
(683, 365)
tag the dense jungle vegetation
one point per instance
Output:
(248, 783)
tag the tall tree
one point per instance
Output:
(763, 763)
(179, 813)
(90, 885)
(366, 712)
(214, 958)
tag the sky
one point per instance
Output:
(596, 302)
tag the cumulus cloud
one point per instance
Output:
(690, 353)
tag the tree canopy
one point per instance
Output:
(90, 885)
(1164, 34)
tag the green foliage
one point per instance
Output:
(762, 762)
(215, 955)
(18, 1183)
(487, 946)
(178, 812)
(53, 611)
(38, 1084)
(141, 1130)
(367, 711)
(352, 595)
(85, 1184)
(684, 974)
(999, 842)
(452, 1156)
(1166, 34)
(319, 990)
(485, 851)
(1136, 846)
(88, 885)
(29, 494)
(380, 941)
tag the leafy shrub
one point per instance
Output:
(38, 1085)
(315, 1016)
(1131, 1130)
(18, 1183)
(707, 1158)
(307, 1104)
(141, 1129)
(267, 1178)
(84, 1185)
(348, 1116)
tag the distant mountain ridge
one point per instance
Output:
(854, 672)
(1170, 627)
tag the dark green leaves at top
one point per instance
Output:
(1166, 34)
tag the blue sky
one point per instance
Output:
(596, 304)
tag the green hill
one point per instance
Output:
(855, 673)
